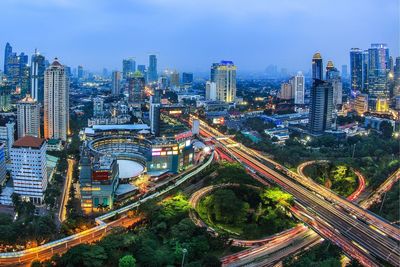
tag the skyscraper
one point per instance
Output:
(298, 88)
(152, 70)
(5, 98)
(224, 75)
(356, 70)
(317, 67)
(7, 54)
(56, 102)
(38, 67)
(321, 107)
(211, 91)
(174, 79)
(28, 117)
(80, 72)
(136, 85)
(344, 72)
(365, 69)
(128, 67)
(378, 63)
(187, 78)
(333, 77)
(116, 83)
(286, 91)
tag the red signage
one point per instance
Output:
(184, 135)
(100, 175)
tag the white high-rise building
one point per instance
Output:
(28, 117)
(29, 173)
(211, 91)
(298, 88)
(224, 75)
(7, 137)
(56, 102)
(116, 83)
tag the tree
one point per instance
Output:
(127, 261)
(276, 196)
(211, 261)
(386, 129)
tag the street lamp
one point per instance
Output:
(184, 251)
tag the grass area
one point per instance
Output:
(338, 177)
(246, 213)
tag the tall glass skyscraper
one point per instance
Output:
(356, 70)
(7, 54)
(321, 107)
(317, 67)
(152, 70)
(128, 67)
(378, 64)
(38, 67)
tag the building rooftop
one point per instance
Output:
(121, 127)
(29, 141)
(27, 99)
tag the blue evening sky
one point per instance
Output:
(191, 34)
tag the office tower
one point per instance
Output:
(163, 82)
(211, 91)
(317, 67)
(344, 72)
(29, 173)
(356, 70)
(136, 86)
(298, 88)
(214, 67)
(7, 132)
(396, 74)
(333, 76)
(382, 105)
(155, 106)
(5, 98)
(174, 79)
(286, 92)
(225, 80)
(28, 117)
(321, 107)
(365, 70)
(152, 70)
(56, 102)
(361, 104)
(7, 54)
(3, 168)
(142, 69)
(116, 83)
(98, 104)
(187, 78)
(38, 67)
(80, 72)
(128, 67)
(378, 63)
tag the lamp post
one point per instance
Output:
(184, 251)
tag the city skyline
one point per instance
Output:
(253, 35)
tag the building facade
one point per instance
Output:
(29, 172)
(321, 107)
(128, 67)
(28, 117)
(298, 87)
(7, 132)
(356, 70)
(317, 67)
(38, 67)
(152, 75)
(224, 76)
(56, 102)
(211, 91)
(116, 83)
(136, 86)
(378, 69)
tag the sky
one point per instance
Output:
(188, 35)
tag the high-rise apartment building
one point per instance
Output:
(128, 67)
(7, 132)
(321, 107)
(38, 67)
(317, 67)
(224, 76)
(28, 117)
(56, 102)
(155, 106)
(298, 88)
(152, 75)
(174, 79)
(361, 104)
(136, 86)
(5, 98)
(286, 91)
(29, 172)
(116, 83)
(211, 91)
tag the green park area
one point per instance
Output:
(247, 213)
(340, 178)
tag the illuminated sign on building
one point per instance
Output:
(100, 175)
(184, 135)
(220, 120)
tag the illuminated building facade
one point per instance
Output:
(321, 107)
(56, 102)
(136, 86)
(361, 104)
(224, 76)
(128, 67)
(116, 83)
(152, 75)
(317, 67)
(38, 67)
(28, 117)
(378, 64)
(356, 70)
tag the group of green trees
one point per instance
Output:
(389, 208)
(247, 212)
(159, 241)
(338, 177)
